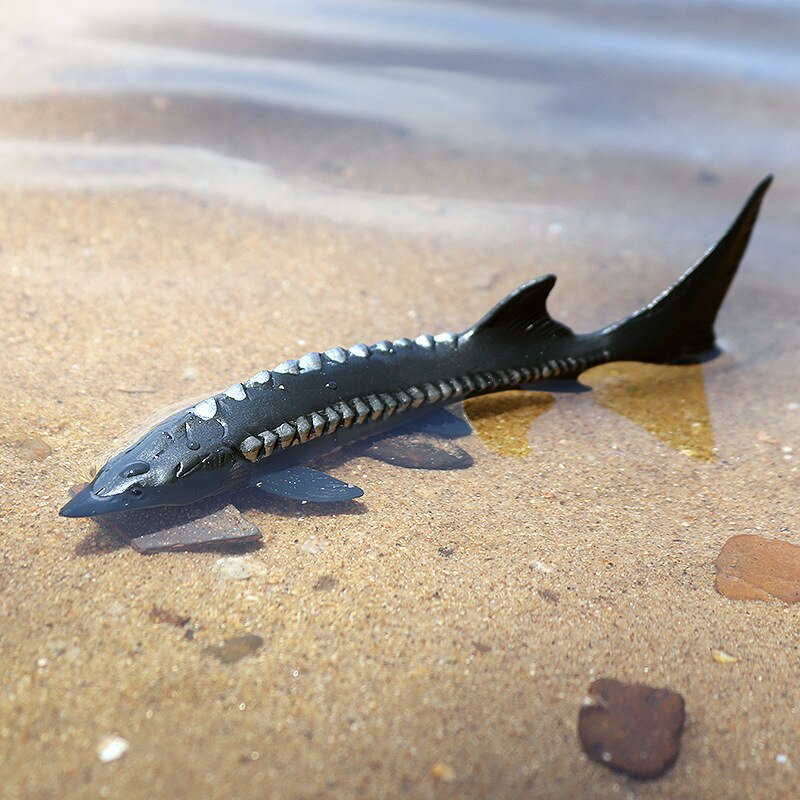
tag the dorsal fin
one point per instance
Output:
(524, 312)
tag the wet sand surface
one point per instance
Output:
(197, 191)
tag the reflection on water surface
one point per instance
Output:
(503, 420)
(668, 401)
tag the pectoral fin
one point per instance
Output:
(304, 483)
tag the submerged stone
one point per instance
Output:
(30, 448)
(235, 648)
(232, 568)
(632, 728)
(326, 583)
(158, 530)
(751, 567)
(164, 615)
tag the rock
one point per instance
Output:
(169, 617)
(751, 567)
(631, 728)
(235, 648)
(232, 568)
(724, 657)
(112, 748)
(314, 545)
(158, 530)
(325, 583)
(548, 595)
(30, 448)
(442, 772)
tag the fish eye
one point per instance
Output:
(136, 491)
(134, 469)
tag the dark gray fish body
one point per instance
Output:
(259, 431)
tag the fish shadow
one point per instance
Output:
(256, 500)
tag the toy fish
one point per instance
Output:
(261, 431)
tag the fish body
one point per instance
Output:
(261, 431)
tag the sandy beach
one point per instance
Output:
(190, 194)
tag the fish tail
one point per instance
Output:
(680, 321)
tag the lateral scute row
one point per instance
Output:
(374, 407)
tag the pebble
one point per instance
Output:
(723, 657)
(314, 545)
(30, 448)
(235, 648)
(751, 567)
(226, 526)
(112, 748)
(443, 772)
(325, 583)
(631, 728)
(232, 568)
(169, 617)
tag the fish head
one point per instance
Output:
(164, 468)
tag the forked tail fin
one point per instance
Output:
(680, 321)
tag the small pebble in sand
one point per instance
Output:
(313, 545)
(232, 568)
(447, 551)
(235, 648)
(751, 567)
(548, 595)
(112, 748)
(632, 728)
(442, 772)
(325, 583)
(782, 758)
(723, 657)
(169, 617)
(30, 448)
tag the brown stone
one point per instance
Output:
(631, 728)
(235, 648)
(753, 567)
(158, 614)
(157, 530)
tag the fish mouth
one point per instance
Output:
(88, 504)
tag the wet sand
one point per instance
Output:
(436, 639)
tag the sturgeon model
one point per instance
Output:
(259, 432)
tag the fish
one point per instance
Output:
(263, 431)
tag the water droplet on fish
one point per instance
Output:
(330, 385)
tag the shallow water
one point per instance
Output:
(193, 191)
